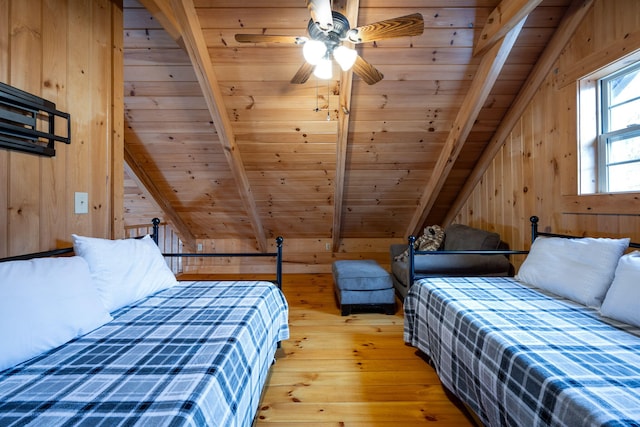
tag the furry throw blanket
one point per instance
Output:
(430, 240)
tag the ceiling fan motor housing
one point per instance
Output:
(335, 35)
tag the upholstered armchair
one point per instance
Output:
(482, 253)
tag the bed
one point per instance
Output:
(532, 350)
(184, 354)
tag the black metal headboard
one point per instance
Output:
(156, 228)
(535, 233)
(44, 254)
(277, 254)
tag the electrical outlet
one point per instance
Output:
(327, 246)
(199, 247)
(81, 203)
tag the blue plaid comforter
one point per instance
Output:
(196, 354)
(519, 357)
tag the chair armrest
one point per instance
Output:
(396, 249)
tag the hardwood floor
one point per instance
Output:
(350, 371)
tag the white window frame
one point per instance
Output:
(594, 139)
(606, 137)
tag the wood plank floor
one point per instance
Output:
(349, 371)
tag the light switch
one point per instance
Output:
(82, 203)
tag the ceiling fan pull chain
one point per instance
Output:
(317, 105)
(328, 102)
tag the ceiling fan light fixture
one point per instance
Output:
(345, 57)
(324, 69)
(327, 30)
(314, 51)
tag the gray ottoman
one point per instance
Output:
(363, 283)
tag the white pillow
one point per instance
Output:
(43, 304)
(622, 301)
(125, 270)
(580, 269)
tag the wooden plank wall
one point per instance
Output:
(536, 171)
(69, 52)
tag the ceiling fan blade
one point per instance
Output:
(410, 25)
(366, 71)
(303, 74)
(267, 38)
(320, 11)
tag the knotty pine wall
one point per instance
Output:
(536, 171)
(69, 52)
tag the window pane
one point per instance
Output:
(624, 177)
(624, 115)
(623, 150)
(612, 128)
(624, 87)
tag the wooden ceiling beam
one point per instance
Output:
(490, 66)
(572, 18)
(350, 11)
(148, 186)
(194, 42)
(163, 13)
(501, 20)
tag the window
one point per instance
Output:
(618, 140)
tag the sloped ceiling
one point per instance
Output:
(227, 147)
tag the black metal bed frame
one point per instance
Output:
(156, 228)
(277, 254)
(534, 234)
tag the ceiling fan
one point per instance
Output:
(328, 30)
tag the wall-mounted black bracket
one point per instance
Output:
(27, 122)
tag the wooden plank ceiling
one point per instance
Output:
(227, 147)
